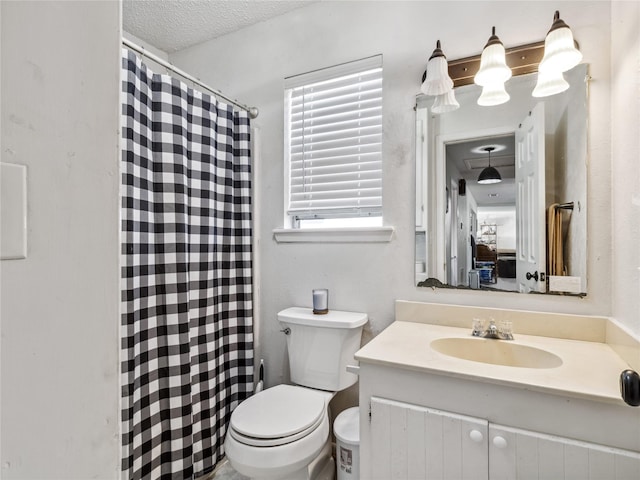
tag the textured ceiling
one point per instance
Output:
(173, 25)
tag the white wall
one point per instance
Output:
(567, 146)
(59, 307)
(505, 219)
(625, 114)
(252, 64)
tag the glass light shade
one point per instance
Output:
(438, 80)
(494, 94)
(560, 52)
(445, 103)
(493, 63)
(550, 83)
(489, 175)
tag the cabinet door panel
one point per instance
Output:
(551, 459)
(503, 460)
(399, 443)
(380, 440)
(534, 456)
(416, 451)
(601, 465)
(409, 442)
(433, 447)
(526, 456)
(576, 462)
(452, 444)
(474, 459)
(627, 467)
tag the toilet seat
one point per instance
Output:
(278, 415)
(279, 462)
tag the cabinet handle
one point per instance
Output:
(499, 442)
(476, 436)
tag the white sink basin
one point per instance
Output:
(496, 352)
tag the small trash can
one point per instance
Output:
(474, 279)
(347, 430)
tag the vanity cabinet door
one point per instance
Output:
(516, 454)
(418, 443)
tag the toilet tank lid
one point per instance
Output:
(332, 319)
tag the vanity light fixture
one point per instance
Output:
(445, 103)
(549, 83)
(437, 81)
(560, 52)
(493, 72)
(493, 94)
(489, 174)
(490, 70)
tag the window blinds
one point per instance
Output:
(335, 141)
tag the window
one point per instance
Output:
(333, 125)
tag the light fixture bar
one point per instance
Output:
(521, 60)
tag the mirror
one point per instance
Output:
(526, 233)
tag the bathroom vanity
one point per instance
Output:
(545, 405)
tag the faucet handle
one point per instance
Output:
(506, 329)
(478, 327)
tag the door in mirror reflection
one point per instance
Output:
(530, 198)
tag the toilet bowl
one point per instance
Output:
(283, 432)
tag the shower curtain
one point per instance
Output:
(187, 339)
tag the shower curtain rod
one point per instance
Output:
(253, 111)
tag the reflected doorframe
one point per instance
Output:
(436, 215)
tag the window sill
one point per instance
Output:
(334, 235)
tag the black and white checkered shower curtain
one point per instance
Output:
(187, 340)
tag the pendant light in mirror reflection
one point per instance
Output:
(489, 175)
(437, 82)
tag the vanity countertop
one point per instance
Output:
(589, 370)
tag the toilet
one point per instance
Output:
(283, 432)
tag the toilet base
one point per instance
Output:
(322, 467)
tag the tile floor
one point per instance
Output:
(225, 472)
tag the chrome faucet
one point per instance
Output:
(502, 332)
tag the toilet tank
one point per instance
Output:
(321, 346)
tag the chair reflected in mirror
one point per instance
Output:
(486, 263)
